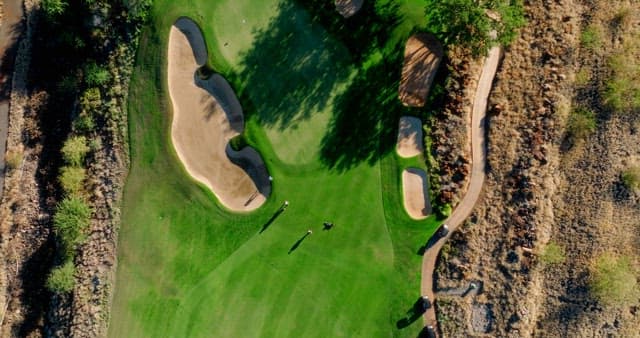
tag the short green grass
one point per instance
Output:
(190, 268)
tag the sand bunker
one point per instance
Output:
(206, 115)
(347, 8)
(410, 141)
(416, 193)
(422, 56)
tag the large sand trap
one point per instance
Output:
(410, 141)
(206, 115)
(416, 193)
(422, 56)
(347, 8)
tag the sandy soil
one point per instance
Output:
(410, 142)
(415, 186)
(206, 115)
(347, 8)
(463, 210)
(422, 56)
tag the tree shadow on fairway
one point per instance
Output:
(365, 117)
(412, 314)
(366, 32)
(271, 220)
(292, 69)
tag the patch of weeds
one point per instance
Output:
(582, 77)
(622, 88)
(591, 37)
(71, 179)
(582, 122)
(614, 280)
(14, 159)
(631, 177)
(61, 279)
(553, 254)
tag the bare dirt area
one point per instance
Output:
(206, 115)
(410, 142)
(10, 29)
(415, 186)
(544, 188)
(348, 8)
(422, 56)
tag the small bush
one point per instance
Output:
(71, 179)
(582, 122)
(622, 88)
(582, 77)
(591, 37)
(71, 221)
(613, 280)
(91, 99)
(61, 279)
(13, 159)
(54, 8)
(74, 150)
(631, 177)
(95, 75)
(443, 211)
(553, 254)
(83, 123)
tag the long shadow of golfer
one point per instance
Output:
(273, 218)
(297, 243)
(412, 314)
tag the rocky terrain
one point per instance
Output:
(28, 246)
(545, 187)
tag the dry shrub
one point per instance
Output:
(613, 280)
(14, 159)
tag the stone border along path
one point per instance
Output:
(206, 116)
(463, 210)
(348, 8)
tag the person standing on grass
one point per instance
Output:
(285, 205)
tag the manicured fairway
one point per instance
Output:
(190, 268)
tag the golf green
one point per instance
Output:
(322, 109)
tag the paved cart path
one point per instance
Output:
(463, 210)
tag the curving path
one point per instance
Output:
(463, 210)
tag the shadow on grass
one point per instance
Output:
(364, 33)
(297, 243)
(271, 220)
(412, 314)
(365, 120)
(309, 58)
(292, 69)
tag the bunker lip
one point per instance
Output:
(422, 56)
(410, 141)
(415, 187)
(348, 8)
(206, 115)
